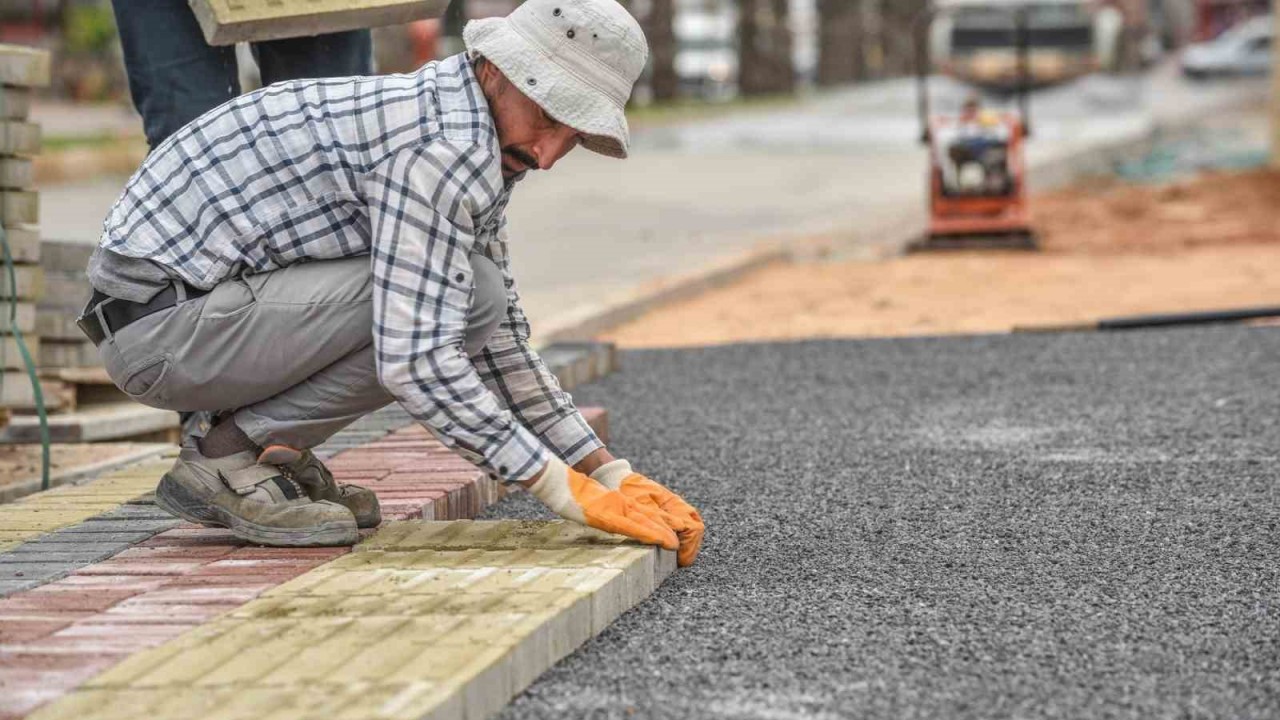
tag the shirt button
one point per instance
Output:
(459, 277)
(503, 470)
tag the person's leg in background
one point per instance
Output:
(174, 76)
(317, 56)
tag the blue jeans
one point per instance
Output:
(174, 76)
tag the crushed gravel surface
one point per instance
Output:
(1076, 525)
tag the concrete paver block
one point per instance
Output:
(16, 173)
(225, 22)
(24, 66)
(446, 620)
(15, 103)
(20, 207)
(24, 320)
(28, 279)
(19, 138)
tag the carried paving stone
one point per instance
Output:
(226, 22)
(406, 630)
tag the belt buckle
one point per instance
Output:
(95, 332)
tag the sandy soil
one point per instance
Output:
(1109, 249)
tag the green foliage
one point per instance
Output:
(89, 28)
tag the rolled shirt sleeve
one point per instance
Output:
(515, 372)
(423, 202)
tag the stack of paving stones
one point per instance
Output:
(21, 69)
(84, 592)
(67, 290)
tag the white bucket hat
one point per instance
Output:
(578, 59)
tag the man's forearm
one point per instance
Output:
(586, 465)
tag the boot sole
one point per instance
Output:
(177, 500)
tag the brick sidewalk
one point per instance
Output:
(119, 578)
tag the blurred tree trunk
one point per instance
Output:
(659, 28)
(839, 41)
(764, 60)
(896, 27)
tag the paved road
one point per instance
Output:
(842, 164)
(1077, 525)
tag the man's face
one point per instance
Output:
(530, 139)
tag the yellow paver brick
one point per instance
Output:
(44, 512)
(439, 620)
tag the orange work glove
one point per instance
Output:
(679, 515)
(574, 496)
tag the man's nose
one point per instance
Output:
(554, 147)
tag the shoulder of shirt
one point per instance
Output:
(462, 125)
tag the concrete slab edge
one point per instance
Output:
(585, 322)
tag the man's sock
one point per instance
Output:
(226, 438)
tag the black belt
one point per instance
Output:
(117, 313)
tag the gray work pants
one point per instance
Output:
(290, 351)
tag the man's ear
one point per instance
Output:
(490, 77)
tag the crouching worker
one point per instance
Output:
(308, 253)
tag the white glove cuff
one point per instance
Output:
(553, 490)
(611, 474)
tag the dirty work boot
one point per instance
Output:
(304, 467)
(259, 503)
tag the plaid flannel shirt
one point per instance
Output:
(405, 168)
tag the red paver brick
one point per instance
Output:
(19, 701)
(53, 597)
(39, 615)
(400, 509)
(231, 581)
(136, 583)
(152, 554)
(134, 612)
(251, 566)
(44, 662)
(258, 552)
(202, 595)
(117, 647)
(155, 633)
(126, 567)
(18, 631)
(195, 536)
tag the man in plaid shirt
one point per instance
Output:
(307, 253)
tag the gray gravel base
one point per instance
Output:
(1076, 525)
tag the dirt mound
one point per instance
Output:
(1211, 209)
(1210, 243)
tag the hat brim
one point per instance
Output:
(560, 93)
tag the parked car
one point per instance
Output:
(706, 52)
(1243, 50)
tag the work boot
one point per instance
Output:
(259, 503)
(304, 467)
